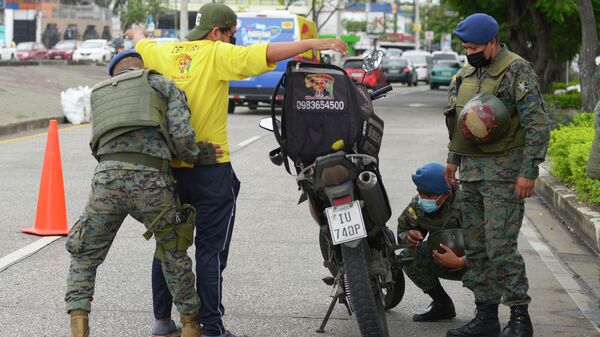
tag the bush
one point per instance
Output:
(562, 85)
(569, 148)
(568, 100)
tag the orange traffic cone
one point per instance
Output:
(51, 217)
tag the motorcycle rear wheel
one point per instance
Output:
(367, 301)
(394, 293)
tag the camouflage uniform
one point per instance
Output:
(147, 194)
(492, 214)
(422, 269)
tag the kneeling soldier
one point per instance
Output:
(140, 120)
(435, 210)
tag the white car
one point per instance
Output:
(7, 53)
(98, 51)
(422, 61)
(446, 56)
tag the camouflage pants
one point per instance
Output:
(492, 217)
(115, 194)
(423, 270)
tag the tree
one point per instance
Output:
(590, 72)
(539, 30)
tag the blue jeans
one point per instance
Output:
(213, 191)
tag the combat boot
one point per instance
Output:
(485, 323)
(441, 308)
(519, 324)
(190, 327)
(79, 324)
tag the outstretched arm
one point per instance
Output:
(278, 51)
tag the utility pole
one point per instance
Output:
(183, 27)
(417, 26)
(314, 12)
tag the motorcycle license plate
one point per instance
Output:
(346, 222)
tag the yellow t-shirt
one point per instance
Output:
(203, 69)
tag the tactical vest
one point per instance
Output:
(124, 103)
(593, 164)
(448, 217)
(469, 87)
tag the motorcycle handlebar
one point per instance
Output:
(380, 92)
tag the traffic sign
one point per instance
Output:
(429, 35)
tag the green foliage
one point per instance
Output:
(137, 10)
(568, 100)
(569, 148)
(355, 25)
(562, 85)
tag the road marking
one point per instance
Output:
(417, 105)
(249, 141)
(562, 275)
(26, 251)
(11, 140)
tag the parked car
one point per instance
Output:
(96, 50)
(392, 52)
(31, 51)
(7, 53)
(400, 70)
(64, 50)
(422, 60)
(373, 80)
(445, 56)
(443, 72)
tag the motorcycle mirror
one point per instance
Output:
(276, 157)
(372, 61)
(267, 124)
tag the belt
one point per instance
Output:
(163, 165)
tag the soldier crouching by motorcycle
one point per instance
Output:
(434, 210)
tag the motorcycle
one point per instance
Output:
(348, 201)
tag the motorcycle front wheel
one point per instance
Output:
(365, 293)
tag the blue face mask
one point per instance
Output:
(428, 205)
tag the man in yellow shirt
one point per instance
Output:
(202, 67)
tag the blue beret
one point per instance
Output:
(429, 178)
(120, 56)
(478, 28)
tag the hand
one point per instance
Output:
(208, 153)
(448, 259)
(330, 44)
(414, 237)
(524, 187)
(135, 34)
(450, 174)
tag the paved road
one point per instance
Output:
(272, 285)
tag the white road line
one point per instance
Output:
(25, 252)
(249, 141)
(562, 275)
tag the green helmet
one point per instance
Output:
(453, 238)
(484, 119)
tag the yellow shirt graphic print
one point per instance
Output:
(203, 69)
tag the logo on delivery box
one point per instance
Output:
(322, 84)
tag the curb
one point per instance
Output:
(28, 125)
(579, 216)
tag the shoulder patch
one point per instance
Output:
(411, 215)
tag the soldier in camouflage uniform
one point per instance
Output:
(436, 207)
(496, 175)
(140, 122)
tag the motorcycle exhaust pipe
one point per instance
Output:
(372, 194)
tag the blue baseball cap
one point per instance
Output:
(120, 56)
(478, 28)
(429, 178)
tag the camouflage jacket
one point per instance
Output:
(149, 140)
(449, 216)
(520, 89)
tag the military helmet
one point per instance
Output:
(453, 238)
(484, 119)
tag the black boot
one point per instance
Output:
(485, 323)
(519, 324)
(441, 307)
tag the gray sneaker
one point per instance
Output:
(226, 334)
(166, 329)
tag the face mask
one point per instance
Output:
(478, 60)
(428, 205)
(232, 39)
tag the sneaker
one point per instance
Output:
(166, 329)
